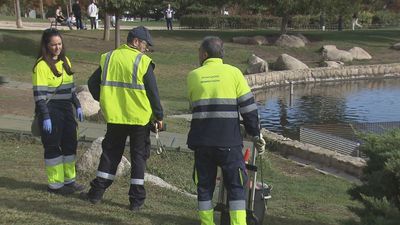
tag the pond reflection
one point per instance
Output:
(328, 103)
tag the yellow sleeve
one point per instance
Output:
(242, 86)
(40, 73)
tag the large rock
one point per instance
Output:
(331, 53)
(332, 64)
(256, 40)
(287, 62)
(89, 161)
(256, 65)
(359, 53)
(240, 40)
(290, 41)
(396, 46)
(302, 37)
(81, 88)
(89, 106)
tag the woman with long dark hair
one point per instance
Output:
(55, 97)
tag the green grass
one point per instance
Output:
(300, 195)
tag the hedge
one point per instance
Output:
(367, 19)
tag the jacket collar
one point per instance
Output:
(125, 46)
(212, 61)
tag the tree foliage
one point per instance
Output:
(380, 188)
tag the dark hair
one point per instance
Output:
(44, 53)
(214, 47)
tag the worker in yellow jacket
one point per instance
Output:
(127, 90)
(54, 94)
(218, 94)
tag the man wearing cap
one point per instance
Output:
(126, 88)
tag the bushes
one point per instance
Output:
(235, 22)
(380, 190)
(367, 19)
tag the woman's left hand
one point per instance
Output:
(79, 114)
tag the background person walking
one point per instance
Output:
(354, 22)
(129, 100)
(92, 12)
(76, 9)
(217, 93)
(169, 16)
(54, 94)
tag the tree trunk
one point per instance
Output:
(42, 9)
(18, 14)
(285, 21)
(70, 8)
(117, 31)
(106, 34)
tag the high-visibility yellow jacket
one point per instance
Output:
(123, 98)
(218, 93)
(46, 85)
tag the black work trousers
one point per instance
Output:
(62, 141)
(230, 159)
(113, 149)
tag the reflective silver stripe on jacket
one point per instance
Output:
(245, 97)
(205, 205)
(237, 205)
(248, 108)
(54, 161)
(137, 181)
(133, 85)
(105, 175)
(40, 97)
(59, 96)
(215, 101)
(216, 114)
(52, 89)
(69, 158)
(104, 75)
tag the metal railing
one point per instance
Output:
(342, 138)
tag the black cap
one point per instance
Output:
(142, 33)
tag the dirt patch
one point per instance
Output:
(16, 101)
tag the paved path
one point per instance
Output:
(91, 131)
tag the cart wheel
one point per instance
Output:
(252, 219)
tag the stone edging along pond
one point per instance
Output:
(322, 74)
(311, 153)
(348, 164)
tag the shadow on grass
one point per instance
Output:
(273, 220)
(23, 46)
(43, 207)
(12, 184)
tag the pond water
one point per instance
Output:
(375, 100)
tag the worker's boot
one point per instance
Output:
(64, 190)
(93, 196)
(76, 187)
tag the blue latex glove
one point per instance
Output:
(79, 114)
(47, 126)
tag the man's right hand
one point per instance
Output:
(259, 144)
(47, 127)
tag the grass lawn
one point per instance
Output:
(300, 195)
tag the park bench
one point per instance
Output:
(54, 23)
